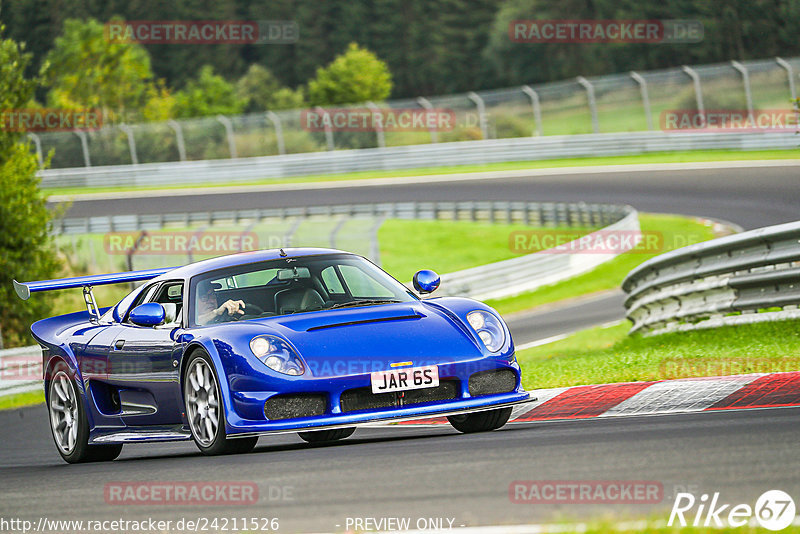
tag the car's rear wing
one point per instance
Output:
(24, 289)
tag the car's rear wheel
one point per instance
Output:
(321, 436)
(69, 423)
(480, 421)
(204, 409)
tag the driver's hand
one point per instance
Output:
(232, 307)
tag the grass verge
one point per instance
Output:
(605, 355)
(655, 157)
(675, 232)
(446, 246)
(21, 399)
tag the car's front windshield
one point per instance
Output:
(291, 285)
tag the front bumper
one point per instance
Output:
(410, 413)
(246, 413)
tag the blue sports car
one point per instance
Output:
(314, 341)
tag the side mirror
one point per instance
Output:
(426, 281)
(150, 314)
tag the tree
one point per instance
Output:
(26, 246)
(354, 77)
(88, 70)
(207, 95)
(261, 91)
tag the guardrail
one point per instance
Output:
(744, 278)
(20, 370)
(245, 170)
(530, 213)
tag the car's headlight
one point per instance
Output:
(488, 328)
(277, 355)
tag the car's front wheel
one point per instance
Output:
(204, 410)
(480, 421)
(69, 423)
(321, 436)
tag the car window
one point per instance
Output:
(144, 296)
(287, 286)
(331, 281)
(255, 278)
(170, 295)
(362, 285)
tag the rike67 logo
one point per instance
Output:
(774, 510)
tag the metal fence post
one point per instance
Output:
(425, 103)
(84, 146)
(698, 88)
(379, 133)
(592, 102)
(38, 144)
(131, 142)
(328, 128)
(374, 246)
(176, 126)
(537, 108)
(746, 82)
(276, 121)
(336, 228)
(645, 98)
(481, 106)
(790, 73)
(226, 122)
(288, 237)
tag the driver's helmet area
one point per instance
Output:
(206, 301)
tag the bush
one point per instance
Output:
(355, 77)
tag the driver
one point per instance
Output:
(207, 308)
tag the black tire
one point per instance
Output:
(63, 392)
(321, 436)
(480, 421)
(210, 441)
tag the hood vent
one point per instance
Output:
(367, 321)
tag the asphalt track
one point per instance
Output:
(749, 196)
(432, 472)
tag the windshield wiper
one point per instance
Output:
(364, 302)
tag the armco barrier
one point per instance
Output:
(744, 278)
(245, 170)
(20, 370)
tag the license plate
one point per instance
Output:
(405, 379)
